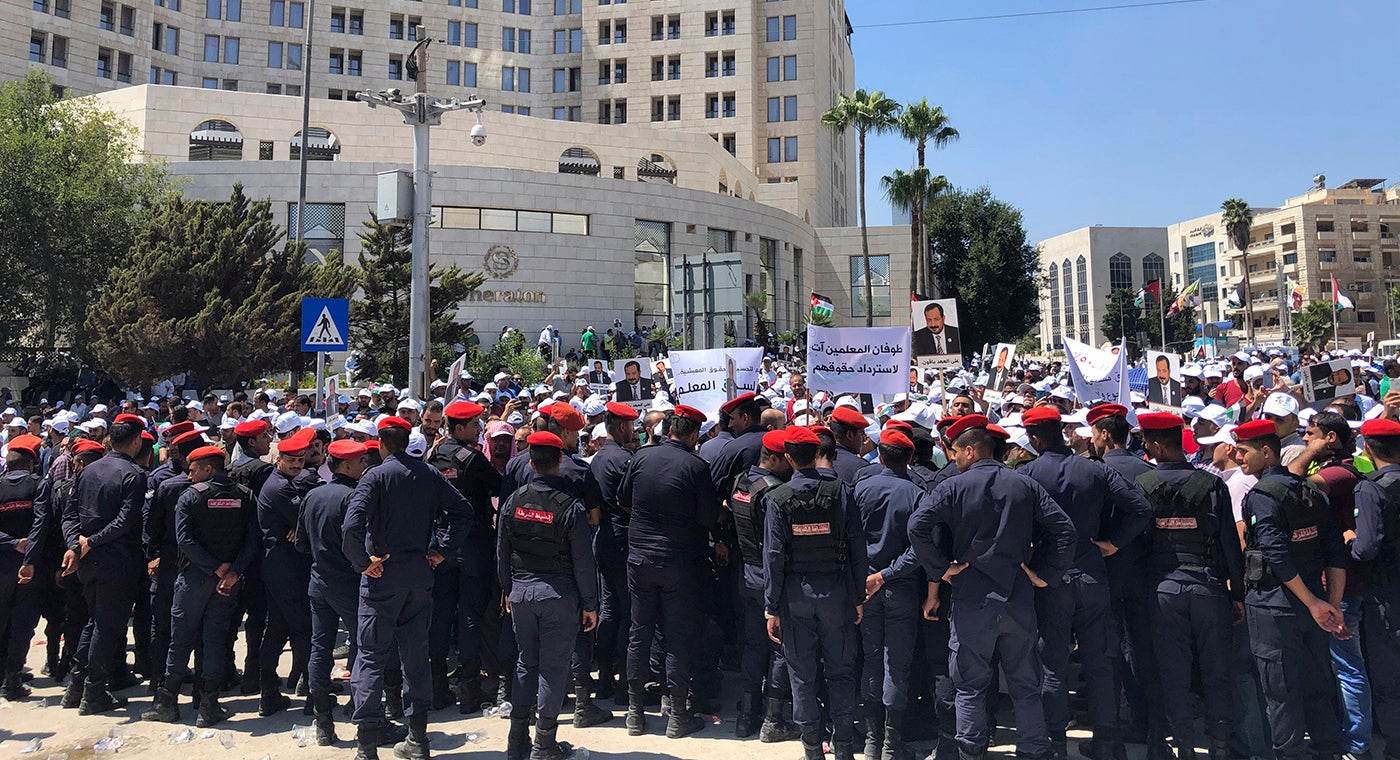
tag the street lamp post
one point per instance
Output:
(422, 111)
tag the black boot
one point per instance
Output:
(324, 705)
(518, 741)
(14, 688)
(1220, 749)
(251, 683)
(367, 741)
(895, 748)
(164, 708)
(470, 695)
(211, 713)
(775, 729)
(812, 746)
(1059, 746)
(442, 690)
(587, 713)
(682, 721)
(607, 680)
(843, 750)
(1185, 749)
(73, 694)
(1158, 749)
(874, 731)
(272, 700)
(1104, 746)
(636, 708)
(392, 734)
(747, 723)
(546, 745)
(393, 702)
(96, 699)
(966, 754)
(415, 747)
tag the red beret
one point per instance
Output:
(297, 444)
(463, 410)
(901, 426)
(690, 413)
(206, 452)
(1377, 428)
(944, 423)
(347, 449)
(146, 436)
(998, 432)
(133, 419)
(619, 409)
(729, 406)
(848, 416)
(178, 429)
(800, 435)
(187, 438)
(773, 440)
(1039, 414)
(251, 428)
(821, 430)
(397, 422)
(29, 443)
(568, 417)
(1104, 410)
(896, 439)
(1188, 442)
(371, 445)
(546, 439)
(966, 423)
(1255, 429)
(87, 444)
(1158, 421)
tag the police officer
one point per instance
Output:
(1377, 545)
(609, 466)
(742, 452)
(1195, 570)
(1291, 542)
(163, 489)
(762, 658)
(848, 428)
(286, 571)
(248, 469)
(217, 530)
(1007, 536)
(1108, 512)
(389, 534)
(815, 561)
(334, 587)
(101, 525)
(19, 487)
(463, 590)
(886, 499)
(544, 560)
(671, 497)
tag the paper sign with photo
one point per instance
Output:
(707, 378)
(1000, 368)
(598, 375)
(1164, 391)
(936, 340)
(632, 383)
(1329, 381)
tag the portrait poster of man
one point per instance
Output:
(1000, 367)
(598, 376)
(1330, 380)
(631, 383)
(661, 374)
(936, 341)
(1164, 390)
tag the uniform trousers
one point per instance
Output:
(983, 629)
(1193, 619)
(332, 604)
(761, 658)
(391, 619)
(819, 639)
(1300, 692)
(1076, 611)
(662, 596)
(888, 629)
(545, 632)
(199, 614)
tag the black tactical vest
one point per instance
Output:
(1303, 510)
(17, 504)
(1385, 568)
(539, 536)
(220, 518)
(251, 474)
(816, 541)
(748, 523)
(454, 460)
(1183, 529)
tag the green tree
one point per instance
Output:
(983, 260)
(206, 287)
(914, 192)
(1238, 218)
(867, 113)
(512, 353)
(1029, 344)
(757, 302)
(1312, 327)
(923, 125)
(1181, 327)
(379, 315)
(1121, 318)
(72, 200)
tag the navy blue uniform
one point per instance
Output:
(761, 658)
(251, 473)
(158, 537)
(609, 466)
(393, 512)
(63, 606)
(1103, 506)
(105, 506)
(709, 450)
(18, 604)
(886, 500)
(998, 520)
(848, 464)
(1378, 544)
(545, 600)
(673, 506)
(1290, 650)
(737, 456)
(334, 586)
(816, 597)
(286, 574)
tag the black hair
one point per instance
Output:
(1385, 447)
(1347, 407)
(895, 457)
(979, 439)
(179, 413)
(545, 458)
(750, 408)
(1049, 431)
(1331, 422)
(123, 433)
(394, 439)
(1117, 428)
(1162, 358)
(434, 406)
(841, 430)
(932, 307)
(87, 457)
(1171, 437)
(632, 364)
(18, 459)
(827, 445)
(682, 427)
(1269, 440)
(803, 454)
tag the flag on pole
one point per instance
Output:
(822, 306)
(1339, 297)
(1153, 289)
(1235, 298)
(1295, 295)
(1185, 298)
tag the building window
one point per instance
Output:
(128, 23)
(1054, 305)
(789, 27)
(652, 271)
(879, 285)
(107, 18)
(509, 220)
(1153, 268)
(37, 46)
(730, 144)
(789, 149)
(215, 139)
(775, 33)
(354, 63)
(396, 67)
(104, 63)
(1200, 265)
(1081, 271)
(58, 51)
(231, 45)
(775, 150)
(775, 110)
(322, 146)
(790, 108)
(1067, 292)
(264, 150)
(728, 68)
(789, 68)
(211, 48)
(1327, 254)
(1120, 272)
(357, 23)
(338, 21)
(775, 69)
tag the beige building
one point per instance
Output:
(1080, 269)
(753, 76)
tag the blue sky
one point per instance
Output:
(1140, 117)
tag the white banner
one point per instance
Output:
(706, 379)
(858, 359)
(1099, 374)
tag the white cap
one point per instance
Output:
(484, 396)
(1307, 414)
(92, 425)
(228, 422)
(1213, 371)
(1214, 413)
(387, 389)
(94, 410)
(1280, 405)
(594, 406)
(1136, 397)
(1191, 370)
(1077, 417)
(1191, 406)
(1063, 392)
(409, 403)
(316, 424)
(417, 444)
(286, 422)
(1018, 436)
(153, 406)
(599, 431)
(335, 422)
(1226, 434)
(437, 384)
(516, 419)
(59, 424)
(1253, 372)
(364, 426)
(1240, 356)
(501, 376)
(848, 401)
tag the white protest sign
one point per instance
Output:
(858, 359)
(1099, 374)
(706, 379)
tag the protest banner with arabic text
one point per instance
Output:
(707, 378)
(858, 359)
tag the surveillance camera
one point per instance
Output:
(479, 135)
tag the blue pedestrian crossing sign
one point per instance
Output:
(325, 324)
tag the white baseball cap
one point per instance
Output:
(1226, 434)
(286, 422)
(417, 444)
(1280, 405)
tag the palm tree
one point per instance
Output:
(924, 124)
(1238, 218)
(915, 191)
(867, 112)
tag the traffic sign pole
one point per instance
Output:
(320, 379)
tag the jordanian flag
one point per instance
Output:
(1153, 289)
(822, 306)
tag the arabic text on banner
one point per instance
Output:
(1099, 374)
(858, 359)
(707, 378)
